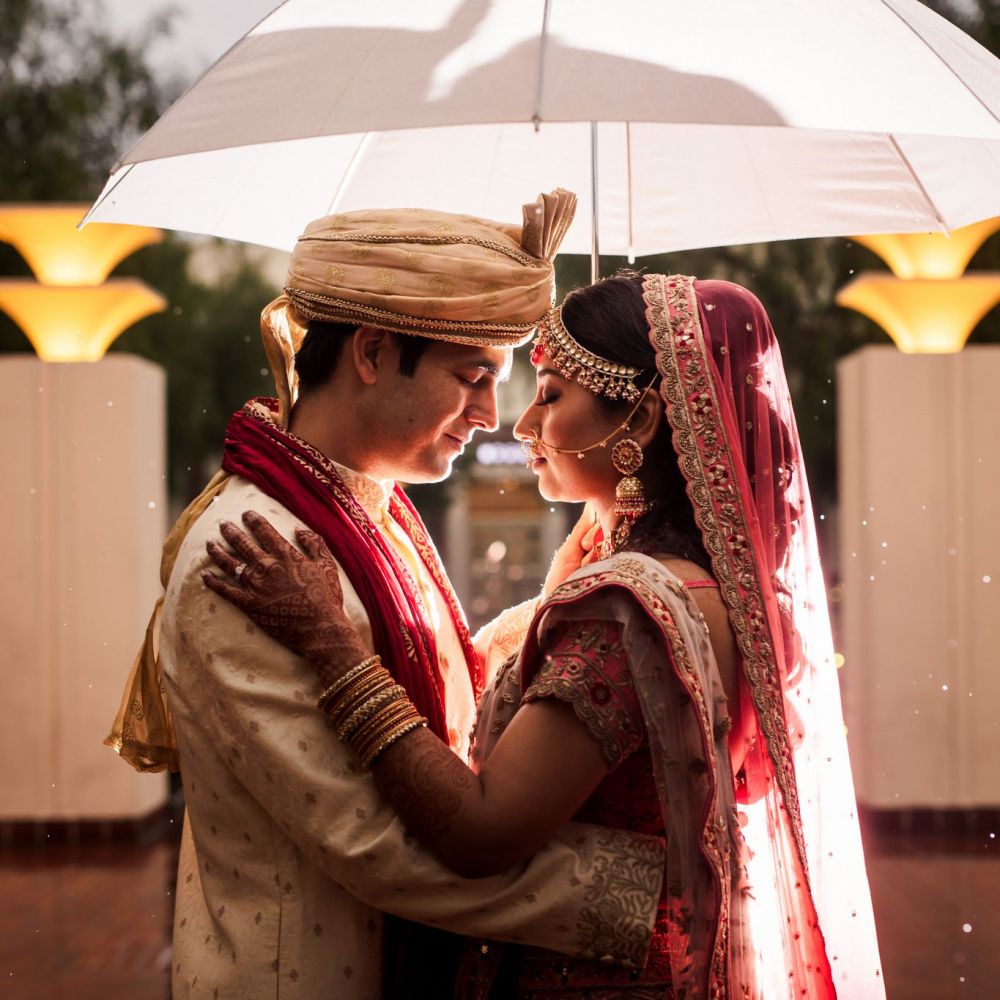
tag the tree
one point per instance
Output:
(71, 98)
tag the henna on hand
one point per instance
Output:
(295, 597)
(425, 782)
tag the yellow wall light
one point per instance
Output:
(77, 324)
(930, 255)
(60, 254)
(923, 316)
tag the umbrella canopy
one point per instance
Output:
(718, 121)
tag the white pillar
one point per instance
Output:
(82, 495)
(920, 562)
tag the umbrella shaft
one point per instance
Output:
(595, 248)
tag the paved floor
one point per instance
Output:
(90, 923)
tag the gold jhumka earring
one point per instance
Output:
(630, 498)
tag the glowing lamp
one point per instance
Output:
(58, 253)
(923, 316)
(77, 324)
(930, 255)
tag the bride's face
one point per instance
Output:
(564, 415)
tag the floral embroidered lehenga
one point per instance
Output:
(765, 893)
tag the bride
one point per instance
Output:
(679, 682)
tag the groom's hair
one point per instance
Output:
(319, 354)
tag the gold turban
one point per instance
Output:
(448, 277)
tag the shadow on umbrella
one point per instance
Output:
(323, 97)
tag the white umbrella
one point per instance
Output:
(708, 122)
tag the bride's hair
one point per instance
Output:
(609, 318)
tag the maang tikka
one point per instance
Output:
(630, 498)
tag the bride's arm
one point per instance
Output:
(543, 768)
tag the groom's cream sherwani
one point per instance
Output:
(289, 854)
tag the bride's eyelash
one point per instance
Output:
(544, 400)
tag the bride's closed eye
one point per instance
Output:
(544, 395)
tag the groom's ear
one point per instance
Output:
(645, 422)
(369, 348)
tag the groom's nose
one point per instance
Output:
(484, 413)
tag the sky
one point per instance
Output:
(203, 29)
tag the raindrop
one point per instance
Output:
(502, 492)
(822, 517)
(151, 505)
(987, 578)
(111, 402)
(263, 371)
(965, 927)
(885, 545)
(864, 524)
(872, 578)
(953, 552)
(552, 510)
(944, 687)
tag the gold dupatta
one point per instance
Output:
(142, 733)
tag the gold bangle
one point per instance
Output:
(339, 709)
(346, 679)
(378, 719)
(381, 720)
(359, 689)
(397, 734)
(368, 708)
(385, 723)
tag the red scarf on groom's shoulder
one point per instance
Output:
(307, 484)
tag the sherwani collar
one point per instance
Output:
(372, 494)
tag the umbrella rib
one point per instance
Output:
(349, 172)
(543, 42)
(916, 180)
(944, 62)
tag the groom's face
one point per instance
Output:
(426, 419)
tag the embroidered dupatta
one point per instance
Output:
(726, 398)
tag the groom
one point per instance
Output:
(387, 349)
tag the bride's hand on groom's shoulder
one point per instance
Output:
(294, 596)
(571, 555)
